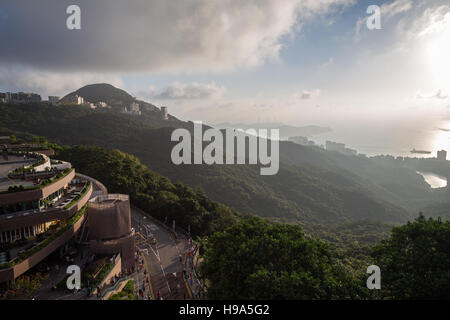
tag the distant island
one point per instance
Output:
(420, 151)
(286, 131)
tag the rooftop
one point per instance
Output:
(9, 165)
(74, 191)
(28, 171)
(107, 200)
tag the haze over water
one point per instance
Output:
(396, 140)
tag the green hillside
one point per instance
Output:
(313, 186)
(123, 173)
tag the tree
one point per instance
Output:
(415, 260)
(256, 260)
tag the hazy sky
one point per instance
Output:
(292, 61)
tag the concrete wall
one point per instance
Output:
(110, 227)
(125, 246)
(116, 270)
(109, 220)
(97, 184)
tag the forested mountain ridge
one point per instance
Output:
(301, 193)
(118, 99)
(313, 186)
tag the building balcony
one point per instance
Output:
(35, 254)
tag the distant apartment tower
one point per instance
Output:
(76, 99)
(101, 104)
(133, 109)
(442, 155)
(22, 97)
(3, 98)
(19, 97)
(90, 105)
(165, 114)
(53, 100)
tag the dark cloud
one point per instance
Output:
(148, 35)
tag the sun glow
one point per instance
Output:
(441, 139)
(438, 50)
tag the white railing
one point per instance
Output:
(100, 201)
(97, 183)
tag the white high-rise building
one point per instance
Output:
(53, 100)
(442, 155)
(165, 114)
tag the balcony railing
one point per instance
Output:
(47, 241)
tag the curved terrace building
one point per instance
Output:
(43, 205)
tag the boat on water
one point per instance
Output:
(420, 151)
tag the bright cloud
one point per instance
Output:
(49, 82)
(195, 90)
(306, 94)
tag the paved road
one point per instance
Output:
(163, 259)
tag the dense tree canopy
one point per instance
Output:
(415, 260)
(257, 260)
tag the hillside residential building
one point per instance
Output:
(442, 155)
(102, 104)
(75, 99)
(133, 109)
(164, 112)
(19, 97)
(53, 100)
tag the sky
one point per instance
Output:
(298, 62)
